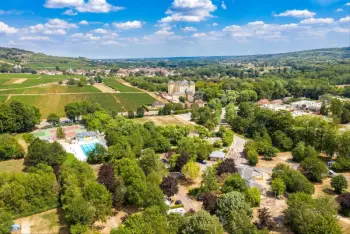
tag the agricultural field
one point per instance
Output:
(165, 120)
(52, 89)
(3, 99)
(18, 75)
(112, 83)
(55, 103)
(131, 101)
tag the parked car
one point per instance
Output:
(164, 160)
(331, 173)
(178, 202)
(203, 162)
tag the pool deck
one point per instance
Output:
(76, 149)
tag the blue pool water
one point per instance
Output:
(86, 148)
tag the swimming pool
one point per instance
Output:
(86, 148)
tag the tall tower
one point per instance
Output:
(171, 86)
(192, 87)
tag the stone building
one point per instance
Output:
(182, 89)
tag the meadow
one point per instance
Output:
(3, 98)
(112, 83)
(52, 89)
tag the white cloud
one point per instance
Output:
(85, 37)
(34, 38)
(52, 27)
(128, 25)
(232, 28)
(256, 23)
(70, 12)
(63, 3)
(93, 6)
(189, 29)
(199, 35)
(84, 22)
(296, 13)
(58, 23)
(223, 5)
(164, 32)
(100, 31)
(339, 10)
(55, 32)
(215, 24)
(189, 11)
(317, 21)
(110, 42)
(345, 20)
(341, 30)
(5, 29)
(347, 4)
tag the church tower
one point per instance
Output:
(171, 87)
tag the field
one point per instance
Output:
(119, 86)
(52, 89)
(53, 103)
(131, 101)
(164, 120)
(3, 99)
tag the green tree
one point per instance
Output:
(40, 151)
(5, 222)
(314, 169)
(10, 148)
(238, 223)
(53, 119)
(149, 161)
(209, 182)
(336, 106)
(98, 154)
(252, 157)
(131, 114)
(252, 197)
(190, 171)
(339, 183)
(140, 112)
(270, 152)
(234, 183)
(306, 215)
(278, 186)
(229, 202)
(60, 133)
(201, 222)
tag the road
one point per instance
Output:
(236, 150)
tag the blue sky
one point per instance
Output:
(167, 28)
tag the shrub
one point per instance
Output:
(278, 186)
(252, 157)
(28, 137)
(9, 148)
(339, 183)
(226, 166)
(252, 196)
(344, 202)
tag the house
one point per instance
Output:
(180, 211)
(200, 102)
(158, 104)
(263, 102)
(217, 155)
(307, 105)
(277, 102)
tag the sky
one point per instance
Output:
(173, 28)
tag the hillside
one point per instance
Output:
(42, 61)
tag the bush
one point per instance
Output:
(252, 196)
(278, 186)
(226, 166)
(252, 157)
(339, 183)
(28, 137)
(341, 164)
(344, 202)
(270, 152)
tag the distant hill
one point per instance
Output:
(42, 61)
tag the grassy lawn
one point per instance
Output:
(112, 83)
(31, 82)
(12, 165)
(18, 75)
(70, 158)
(55, 88)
